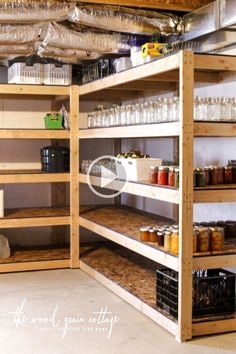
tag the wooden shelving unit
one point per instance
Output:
(57, 214)
(181, 71)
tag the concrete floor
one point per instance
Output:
(63, 311)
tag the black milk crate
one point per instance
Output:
(213, 292)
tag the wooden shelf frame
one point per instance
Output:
(183, 69)
(56, 94)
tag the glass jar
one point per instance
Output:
(203, 239)
(167, 240)
(228, 174)
(194, 178)
(195, 241)
(176, 177)
(216, 238)
(160, 238)
(220, 175)
(200, 177)
(153, 175)
(171, 176)
(213, 175)
(175, 241)
(162, 176)
(144, 233)
(152, 235)
(207, 175)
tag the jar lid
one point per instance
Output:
(152, 230)
(177, 169)
(153, 168)
(172, 168)
(160, 233)
(144, 228)
(163, 168)
(217, 229)
(167, 233)
(228, 167)
(175, 231)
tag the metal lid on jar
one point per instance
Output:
(168, 233)
(144, 228)
(175, 231)
(160, 233)
(152, 230)
(163, 168)
(177, 169)
(228, 167)
(217, 228)
(153, 168)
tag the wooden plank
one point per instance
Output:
(143, 189)
(147, 86)
(158, 66)
(30, 266)
(186, 196)
(131, 299)
(33, 134)
(211, 262)
(154, 4)
(34, 222)
(137, 246)
(33, 177)
(215, 196)
(214, 62)
(8, 89)
(173, 76)
(132, 131)
(74, 176)
(214, 327)
(214, 129)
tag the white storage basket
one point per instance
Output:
(20, 73)
(56, 74)
(136, 169)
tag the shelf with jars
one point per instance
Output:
(147, 120)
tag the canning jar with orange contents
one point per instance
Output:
(175, 242)
(171, 176)
(162, 176)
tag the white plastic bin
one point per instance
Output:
(136, 169)
(20, 73)
(57, 74)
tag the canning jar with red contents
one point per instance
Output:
(171, 176)
(228, 175)
(162, 176)
(153, 174)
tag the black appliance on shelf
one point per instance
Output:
(55, 159)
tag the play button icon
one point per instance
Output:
(102, 177)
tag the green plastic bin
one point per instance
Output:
(53, 121)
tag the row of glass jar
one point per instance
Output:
(108, 165)
(204, 239)
(215, 109)
(161, 110)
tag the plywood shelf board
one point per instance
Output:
(141, 188)
(37, 90)
(36, 254)
(34, 134)
(132, 131)
(35, 217)
(32, 176)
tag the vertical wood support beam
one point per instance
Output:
(74, 176)
(58, 190)
(186, 196)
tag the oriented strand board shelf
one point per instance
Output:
(24, 259)
(32, 217)
(32, 176)
(130, 276)
(133, 278)
(131, 131)
(172, 5)
(121, 225)
(34, 134)
(143, 189)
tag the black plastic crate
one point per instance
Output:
(213, 292)
(95, 71)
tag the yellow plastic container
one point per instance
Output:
(155, 49)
